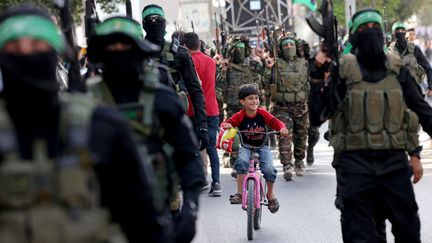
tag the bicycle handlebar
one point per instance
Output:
(267, 134)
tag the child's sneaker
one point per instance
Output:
(215, 190)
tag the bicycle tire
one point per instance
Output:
(258, 213)
(257, 217)
(250, 208)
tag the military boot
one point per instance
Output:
(309, 156)
(299, 168)
(287, 172)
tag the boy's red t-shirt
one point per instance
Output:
(256, 123)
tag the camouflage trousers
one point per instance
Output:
(231, 109)
(296, 118)
(313, 136)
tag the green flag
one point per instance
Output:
(311, 4)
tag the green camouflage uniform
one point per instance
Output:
(289, 104)
(240, 71)
(417, 71)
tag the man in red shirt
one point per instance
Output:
(205, 67)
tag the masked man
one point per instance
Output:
(412, 56)
(155, 112)
(372, 129)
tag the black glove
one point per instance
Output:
(185, 227)
(203, 138)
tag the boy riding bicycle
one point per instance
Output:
(254, 119)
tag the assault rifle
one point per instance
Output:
(193, 27)
(328, 31)
(75, 81)
(128, 8)
(217, 42)
(91, 18)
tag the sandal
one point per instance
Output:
(273, 205)
(236, 198)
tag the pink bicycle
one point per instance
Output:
(254, 194)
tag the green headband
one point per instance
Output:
(239, 45)
(31, 26)
(286, 41)
(120, 26)
(398, 25)
(153, 11)
(367, 17)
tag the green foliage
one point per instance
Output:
(393, 10)
(424, 15)
(108, 6)
(77, 6)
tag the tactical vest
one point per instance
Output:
(292, 86)
(416, 71)
(165, 61)
(46, 200)
(142, 119)
(373, 116)
(237, 75)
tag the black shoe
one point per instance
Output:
(215, 190)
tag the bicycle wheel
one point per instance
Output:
(257, 216)
(250, 208)
(258, 213)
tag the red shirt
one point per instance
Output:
(256, 123)
(205, 67)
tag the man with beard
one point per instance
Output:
(372, 127)
(289, 104)
(412, 56)
(155, 112)
(61, 154)
(181, 67)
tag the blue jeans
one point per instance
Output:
(266, 162)
(213, 128)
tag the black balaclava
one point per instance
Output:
(30, 91)
(30, 81)
(121, 73)
(369, 47)
(155, 31)
(401, 42)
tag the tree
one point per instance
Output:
(394, 10)
(108, 6)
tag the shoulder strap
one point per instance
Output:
(8, 141)
(76, 113)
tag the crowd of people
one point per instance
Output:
(125, 161)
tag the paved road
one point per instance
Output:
(307, 213)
